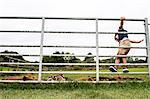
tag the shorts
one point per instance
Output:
(124, 43)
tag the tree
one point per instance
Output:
(53, 59)
(67, 58)
(61, 59)
(109, 60)
(71, 58)
(89, 59)
(130, 59)
(136, 59)
(13, 58)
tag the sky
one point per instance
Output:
(71, 8)
(76, 8)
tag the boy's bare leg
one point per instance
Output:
(114, 68)
(117, 61)
(125, 69)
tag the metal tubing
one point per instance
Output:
(131, 73)
(20, 72)
(67, 32)
(78, 32)
(147, 43)
(72, 18)
(21, 55)
(19, 45)
(20, 17)
(18, 81)
(70, 64)
(8, 63)
(97, 53)
(41, 49)
(69, 72)
(72, 55)
(90, 64)
(122, 47)
(70, 46)
(62, 72)
(30, 81)
(18, 31)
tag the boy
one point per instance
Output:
(124, 41)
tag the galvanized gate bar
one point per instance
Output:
(18, 31)
(114, 73)
(97, 53)
(72, 18)
(36, 55)
(86, 64)
(20, 17)
(41, 49)
(24, 82)
(70, 46)
(65, 32)
(104, 19)
(73, 72)
(147, 43)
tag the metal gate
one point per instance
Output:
(97, 32)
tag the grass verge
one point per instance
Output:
(128, 90)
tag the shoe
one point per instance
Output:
(125, 70)
(112, 69)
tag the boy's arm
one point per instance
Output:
(136, 41)
(120, 27)
(115, 37)
(121, 22)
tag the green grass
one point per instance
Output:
(76, 91)
(76, 76)
(131, 70)
(128, 90)
(6, 69)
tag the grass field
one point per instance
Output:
(76, 91)
(128, 90)
(76, 76)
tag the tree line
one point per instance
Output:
(64, 59)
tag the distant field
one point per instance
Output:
(76, 91)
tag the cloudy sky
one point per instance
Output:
(71, 8)
(75, 8)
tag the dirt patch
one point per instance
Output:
(116, 78)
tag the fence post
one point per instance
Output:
(41, 49)
(97, 53)
(147, 44)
